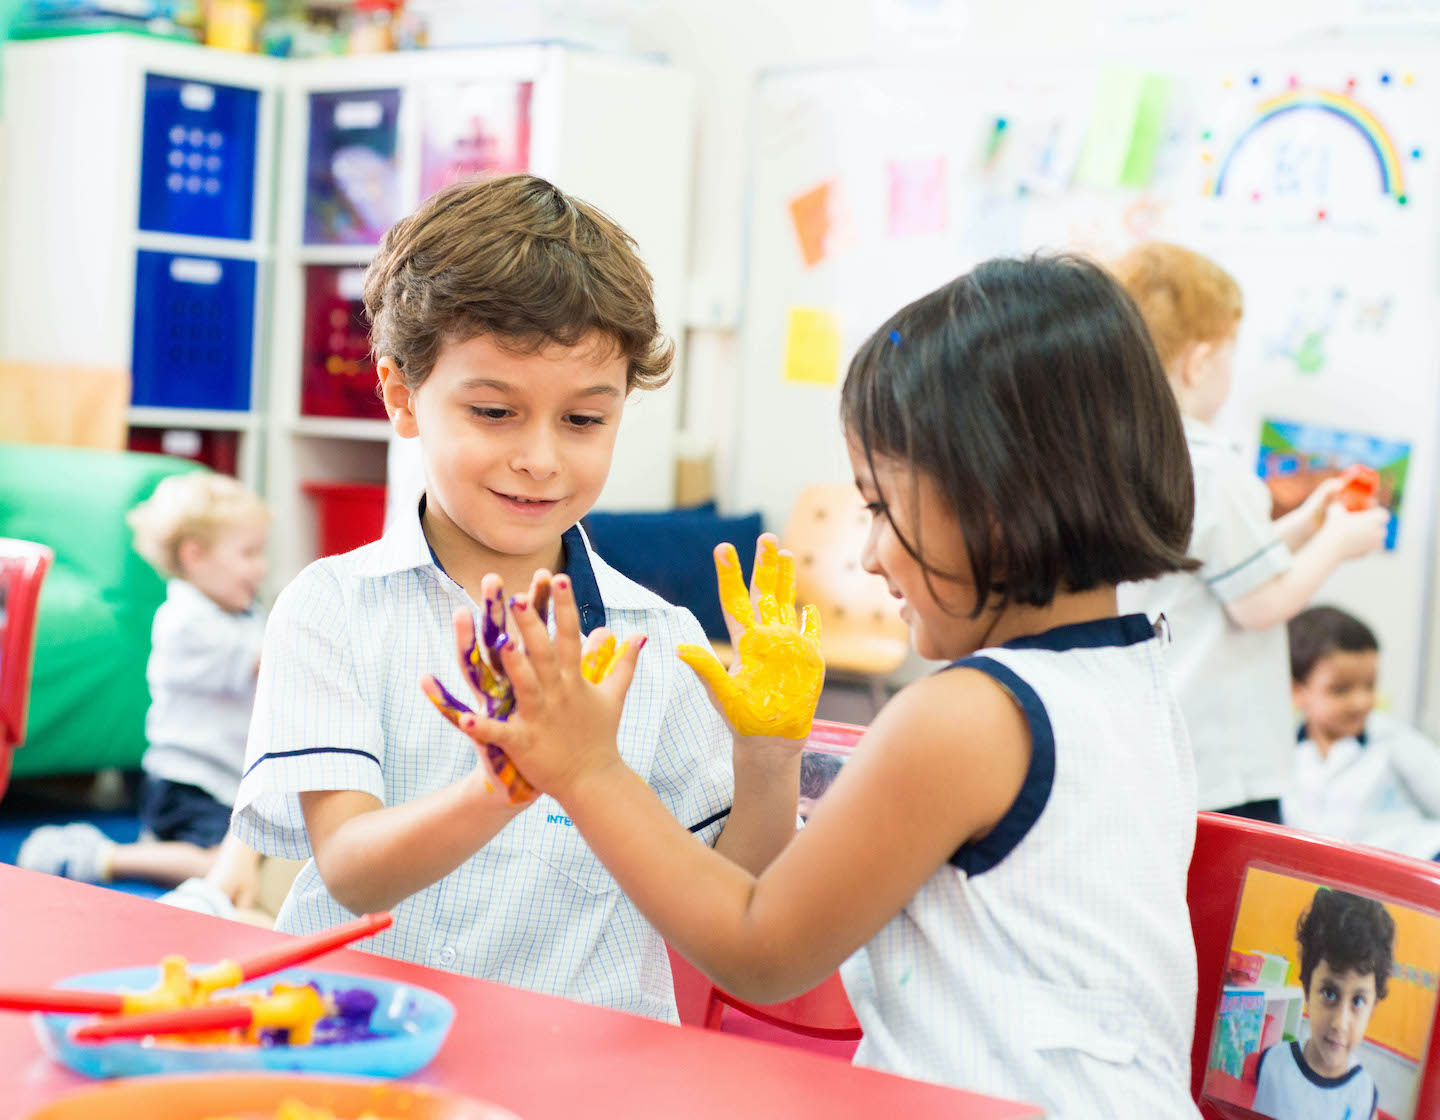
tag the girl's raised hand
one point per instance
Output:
(567, 697)
(775, 682)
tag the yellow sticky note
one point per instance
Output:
(812, 346)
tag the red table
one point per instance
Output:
(536, 1055)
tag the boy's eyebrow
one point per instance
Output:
(506, 387)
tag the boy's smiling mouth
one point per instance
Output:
(524, 504)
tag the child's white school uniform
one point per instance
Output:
(1052, 961)
(1233, 684)
(201, 675)
(1380, 788)
(1288, 1089)
(340, 707)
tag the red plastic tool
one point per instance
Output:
(1359, 486)
(294, 952)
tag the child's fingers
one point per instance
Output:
(493, 632)
(621, 670)
(708, 668)
(539, 595)
(810, 621)
(539, 649)
(785, 588)
(734, 598)
(523, 681)
(598, 656)
(451, 708)
(567, 623)
(489, 732)
(767, 575)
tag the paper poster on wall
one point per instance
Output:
(1327, 1003)
(916, 196)
(473, 128)
(1322, 137)
(812, 346)
(818, 218)
(1296, 458)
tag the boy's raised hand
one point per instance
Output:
(774, 685)
(487, 680)
(567, 696)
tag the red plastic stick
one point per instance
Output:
(183, 1020)
(308, 948)
(61, 1000)
(1359, 486)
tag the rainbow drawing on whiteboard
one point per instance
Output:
(1347, 109)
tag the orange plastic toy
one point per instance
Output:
(1359, 487)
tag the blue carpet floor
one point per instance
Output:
(26, 807)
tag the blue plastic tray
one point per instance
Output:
(412, 1020)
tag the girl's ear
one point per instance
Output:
(399, 398)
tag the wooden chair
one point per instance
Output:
(23, 565)
(1225, 848)
(822, 1013)
(862, 634)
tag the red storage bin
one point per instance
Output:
(350, 514)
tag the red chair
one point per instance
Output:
(1225, 847)
(823, 1013)
(23, 565)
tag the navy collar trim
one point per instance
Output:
(1317, 1078)
(575, 563)
(1123, 630)
(1363, 739)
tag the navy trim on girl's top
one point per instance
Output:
(1122, 630)
(1363, 739)
(981, 855)
(310, 750)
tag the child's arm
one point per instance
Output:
(372, 856)
(1304, 521)
(1417, 763)
(942, 764)
(1342, 536)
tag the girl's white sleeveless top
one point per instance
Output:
(1052, 961)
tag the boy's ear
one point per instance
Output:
(399, 398)
(189, 552)
(1190, 363)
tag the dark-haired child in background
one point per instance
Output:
(1360, 775)
(1347, 946)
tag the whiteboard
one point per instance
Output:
(1309, 176)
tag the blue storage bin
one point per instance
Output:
(194, 331)
(197, 162)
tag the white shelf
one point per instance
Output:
(335, 254)
(209, 419)
(339, 427)
(185, 245)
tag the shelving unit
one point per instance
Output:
(144, 242)
(364, 139)
(204, 220)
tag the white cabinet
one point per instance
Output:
(136, 228)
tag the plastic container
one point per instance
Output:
(411, 1023)
(349, 514)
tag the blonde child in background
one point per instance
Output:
(973, 870)
(1228, 655)
(206, 533)
(1361, 776)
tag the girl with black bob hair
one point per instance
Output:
(999, 870)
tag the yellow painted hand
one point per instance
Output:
(774, 685)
